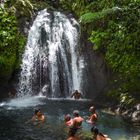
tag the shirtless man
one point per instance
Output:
(77, 120)
(93, 117)
(76, 95)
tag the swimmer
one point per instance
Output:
(93, 117)
(38, 118)
(76, 95)
(68, 121)
(77, 120)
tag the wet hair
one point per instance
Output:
(96, 131)
(92, 109)
(76, 112)
(36, 111)
(67, 117)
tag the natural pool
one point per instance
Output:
(14, 114)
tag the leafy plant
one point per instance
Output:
(115, 32)
(10, 43)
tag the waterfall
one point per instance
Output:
(51, 63)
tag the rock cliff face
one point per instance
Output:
(97, 75)
(91, 66)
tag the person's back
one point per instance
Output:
(77, 120)
(100, 137)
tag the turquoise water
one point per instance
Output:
(14, 114)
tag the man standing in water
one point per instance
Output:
(77, 120)
(76, 124)
(93, 117)
(76, 95)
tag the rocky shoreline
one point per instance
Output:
(132, 113)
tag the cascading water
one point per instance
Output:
(51, 63)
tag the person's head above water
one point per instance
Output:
(95, 130)
(92, 109)
(67, 117)
(76, 113)
(36, 111)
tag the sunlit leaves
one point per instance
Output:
(9, 43)
(115, 31)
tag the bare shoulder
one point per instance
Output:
(70, 138)
(108, 139)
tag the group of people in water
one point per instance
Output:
(73, 124)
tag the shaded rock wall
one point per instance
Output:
(97, 75)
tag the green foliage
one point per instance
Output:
(20, 7)
(113, 28)
(25, 7)
(96, 16)
(10, 44)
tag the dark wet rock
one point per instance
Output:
(136, 116)
(132, 113)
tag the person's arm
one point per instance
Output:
(72, 95)
(31, 120)
(43, 119)
(93, 117)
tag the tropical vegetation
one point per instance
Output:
(113, 28)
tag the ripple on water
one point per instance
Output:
(14, 114)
